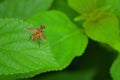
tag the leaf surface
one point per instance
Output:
(83, 6)
(19, 54)
(104, 29)
(65, 38)
(23, 9)
(22, 57)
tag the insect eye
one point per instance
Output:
(41, 31)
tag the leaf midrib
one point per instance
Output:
(65, 37)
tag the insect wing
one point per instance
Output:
(43, 37)
(31, 29)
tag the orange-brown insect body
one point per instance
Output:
(38, 32)
(36, 35)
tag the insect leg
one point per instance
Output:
(31, 36)
(39, 41)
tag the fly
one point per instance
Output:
(38, 33)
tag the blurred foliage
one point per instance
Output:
(70, 75)
(96, 14)
(65, 8)
(23, 9)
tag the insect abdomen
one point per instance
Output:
(36, 35)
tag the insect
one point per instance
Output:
(38, 33)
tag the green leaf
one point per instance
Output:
(22, 58)
(115, 6)
(19, 55)
(65, 38)
(105, 29)
(23, 8)
(83, 6)
(115, 69)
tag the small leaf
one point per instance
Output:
(115, 69)
(65, 38)
(23, 8)
(83, 6)
(104, 29)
